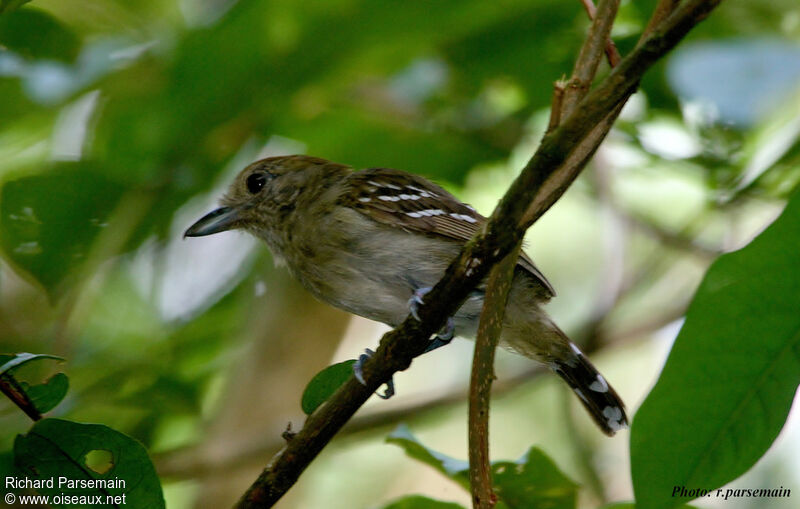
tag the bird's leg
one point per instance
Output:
(441, 339)
(444, 336)
(358, 371)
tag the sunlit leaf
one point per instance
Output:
(455, 469)
(9, 362)
(324, 384)
(532, 481)
(730, 379)
(57, 449)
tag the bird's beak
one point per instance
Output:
(215, 221)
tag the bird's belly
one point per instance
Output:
(375, 275)
(384, 296)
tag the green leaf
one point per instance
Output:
(36, 34)
(324, 384)
(730, 379)
(50, 221)
(47, 395)
(10, 5)
(420, 502)
(532, 481)
(55, 449)
(455, 469)
(10, 362)
(43, 397)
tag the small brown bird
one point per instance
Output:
(372, 241)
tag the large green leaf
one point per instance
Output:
(57, 449)
(730, 379)
(50, 221)
(532, 481)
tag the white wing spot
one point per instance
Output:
(463, 217)
(392, 186)
(389, 198)
(600, 384)
(414, 214)
(365, 199)
(373, 183)
(576, 349)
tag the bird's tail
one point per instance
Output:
(597, 396)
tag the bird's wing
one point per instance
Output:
(415, 204)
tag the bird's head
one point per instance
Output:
(266, 192)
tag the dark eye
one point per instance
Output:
(255, 182)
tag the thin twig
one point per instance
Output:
(590, 55)
(543, 180)
(11, 389)
(557, 104)
(612, 53)
(480, 385)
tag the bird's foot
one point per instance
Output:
(445, 335)
(358, 371)
(416, 301)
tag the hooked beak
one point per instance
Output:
(215, 221)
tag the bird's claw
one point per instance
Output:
(443, 338)
(445, 335)
(416, 301)
(358, 371)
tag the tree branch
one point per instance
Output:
(539, 184)
(590, 55)
(11, 389)
(480, 385)
(612, 54)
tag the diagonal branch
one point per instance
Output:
(539, 184)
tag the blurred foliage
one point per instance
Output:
(120, 122)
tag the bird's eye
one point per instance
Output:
(255, 182)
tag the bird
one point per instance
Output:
(372, 242)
